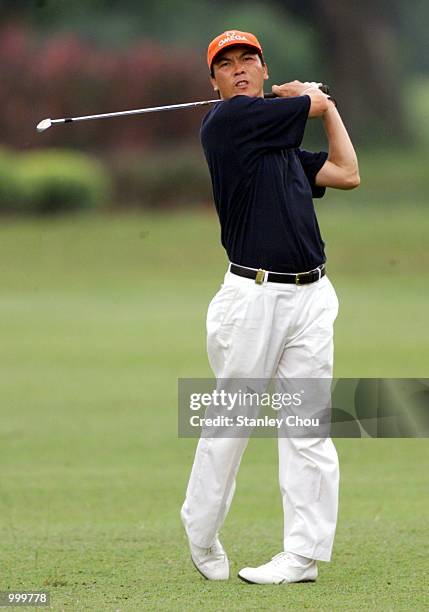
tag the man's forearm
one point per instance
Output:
(341, 150)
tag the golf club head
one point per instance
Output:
(44, 125)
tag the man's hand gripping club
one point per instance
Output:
(318, 93)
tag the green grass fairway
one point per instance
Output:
(99, 316)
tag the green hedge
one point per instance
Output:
(52, 182)
(161, 179)
(60, 181)
(10, 194)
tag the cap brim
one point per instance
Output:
(235, 44)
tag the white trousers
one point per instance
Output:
(265, 331)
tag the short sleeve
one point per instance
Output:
(312, 163)
(269, 124)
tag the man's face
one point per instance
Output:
(239, 71)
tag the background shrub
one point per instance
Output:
(10, 192)
(162, 178)
(58, 181)
(54, 181)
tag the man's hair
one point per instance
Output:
(255, 51)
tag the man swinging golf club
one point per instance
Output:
(273, 315)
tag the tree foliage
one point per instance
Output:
(366, 50)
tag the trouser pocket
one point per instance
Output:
(220, 307)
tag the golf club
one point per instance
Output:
(45, 124)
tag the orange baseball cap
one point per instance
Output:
(228, 39)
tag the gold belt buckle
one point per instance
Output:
(260, 275)
(297, 281)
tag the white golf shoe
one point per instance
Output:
(211, 562)
(284, 568)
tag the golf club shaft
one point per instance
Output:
(138, 111)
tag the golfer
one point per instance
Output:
(273, 315)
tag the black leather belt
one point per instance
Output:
(302, 278)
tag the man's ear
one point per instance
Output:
(214, 84)
(266, 75)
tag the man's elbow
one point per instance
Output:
(351, 180)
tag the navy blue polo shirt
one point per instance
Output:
(263, 183)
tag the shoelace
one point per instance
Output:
(280, 557)
(285, 556)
